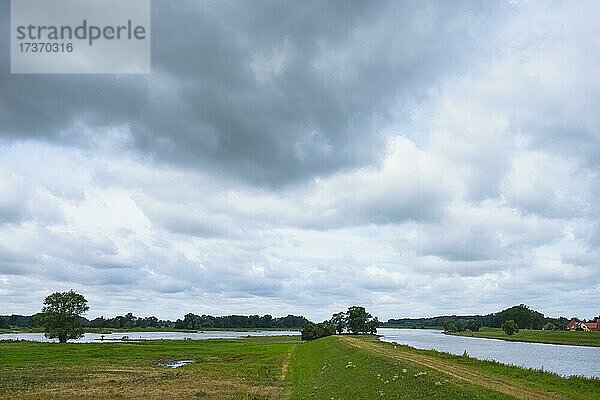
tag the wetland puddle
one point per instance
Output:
(177, 363)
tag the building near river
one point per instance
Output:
(549, 326)
(575, 325)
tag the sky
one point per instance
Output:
(416, 158)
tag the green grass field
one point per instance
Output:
(554, 337)
(336, 367)
(234, 369)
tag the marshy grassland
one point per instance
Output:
(338, 367)
(538, 336)
(234, 369)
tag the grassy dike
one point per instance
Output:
(336, 367)
(535, 336)
(363, 367)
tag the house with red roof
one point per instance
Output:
(593, 326)
(585, 326)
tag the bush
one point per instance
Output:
(315, 331)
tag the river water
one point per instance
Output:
(118, 336)
(561, 359)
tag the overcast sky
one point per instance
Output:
(417, 158)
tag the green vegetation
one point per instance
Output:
(524, 316)
(268, 368)
(539, 336)
(315, 331)
(457, 325)
(192, 321)
(321, 369)
(61, 315)
(130, 322)
(510, 327)
(251, 368)
(356, 320)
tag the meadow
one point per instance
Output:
(539, 336)
(338, 367)
(233, 369)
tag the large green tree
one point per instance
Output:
(360, 321)
(62, 314)
(339, 321)
(510, 327)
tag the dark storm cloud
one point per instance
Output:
(268, 91)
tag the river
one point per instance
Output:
(118, 336)
(561, 359)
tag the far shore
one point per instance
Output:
(590, 339)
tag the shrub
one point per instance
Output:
(315, 331)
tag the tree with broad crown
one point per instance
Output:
(510, 327)
(359, 319)
(61, 315)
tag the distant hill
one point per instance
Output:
(525, 317)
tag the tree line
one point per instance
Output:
(189, 321)
(192, 321)
(522, 315)
(56, 306)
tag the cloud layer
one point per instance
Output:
(416, 158)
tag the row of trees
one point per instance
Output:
(524, 316)
(17, 321)
(355, 320)
(189, 321)
(192, 321)
(128, 321)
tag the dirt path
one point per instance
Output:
(499, 384)
(286, 364)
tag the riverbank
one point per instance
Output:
(268, 368)
(535, 336)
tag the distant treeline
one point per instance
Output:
(190, 321)
(8, 321)
(525, 317)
